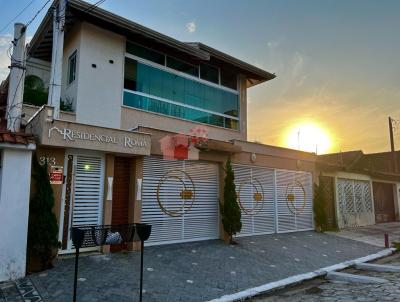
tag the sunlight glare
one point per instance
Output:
(308, 137)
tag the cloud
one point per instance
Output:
(191, 27)
(4, 59)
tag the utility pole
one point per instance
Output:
(17, 76)
(56, 57)
(394, 158)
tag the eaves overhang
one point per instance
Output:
(77, 10)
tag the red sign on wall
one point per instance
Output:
(56, 175)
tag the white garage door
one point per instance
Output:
(294, 201)
(273, 200)
(180, 200)
(255, 191)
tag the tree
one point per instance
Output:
(230, 210)
(42, 226)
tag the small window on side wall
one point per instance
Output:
(72, 67)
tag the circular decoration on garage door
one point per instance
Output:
(176, 183)
(257, 198)
(296, 193)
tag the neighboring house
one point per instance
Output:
(361, 189)
(124, 89)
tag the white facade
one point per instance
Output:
(15, 177)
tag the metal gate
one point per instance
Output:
(273, 200)
(180, 200)
(355, 207)
(256, 197)
(82, 195)
(294, 201)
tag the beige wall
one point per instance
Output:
(99, 89)
(132, 118)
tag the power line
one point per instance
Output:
(37, 13)
(19, 14)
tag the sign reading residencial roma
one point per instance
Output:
(82, 136)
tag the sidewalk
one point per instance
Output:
(373, 234)
(198, 271)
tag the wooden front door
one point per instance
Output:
(120, 198)
(383, 202)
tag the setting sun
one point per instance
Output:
(308, 137)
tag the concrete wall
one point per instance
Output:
(100, 82)
(14, 211)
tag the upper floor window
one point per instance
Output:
(72, 67)
(183, 66)
(204, 71)
(228, 79)
(209, 73)
(160, 91)
(145, 53)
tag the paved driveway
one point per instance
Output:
(373, 234)
(197, 271)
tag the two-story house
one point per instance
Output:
(145, 125)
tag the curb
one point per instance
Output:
(251, 292)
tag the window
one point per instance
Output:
(228, 79)
(145, 53)
(183, 66)
(130, 78)
(170, 94)
(209, 73)
(72, 67)
(182, 112)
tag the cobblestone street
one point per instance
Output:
(323, 290)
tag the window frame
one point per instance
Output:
(180, 73)
(73, 55)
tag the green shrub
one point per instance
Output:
(230, 210)
(42, 227)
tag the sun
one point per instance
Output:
(308, 137)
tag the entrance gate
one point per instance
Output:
(273, 200)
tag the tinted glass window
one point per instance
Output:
(72, 68)
(172, 87)
(130, 77)
(182, 66)
(228, 79)
(157, 106)
(145, 53)
(209, 73)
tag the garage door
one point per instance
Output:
(255, 191)
(273, 200)
(294, 201)
(180, 200)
